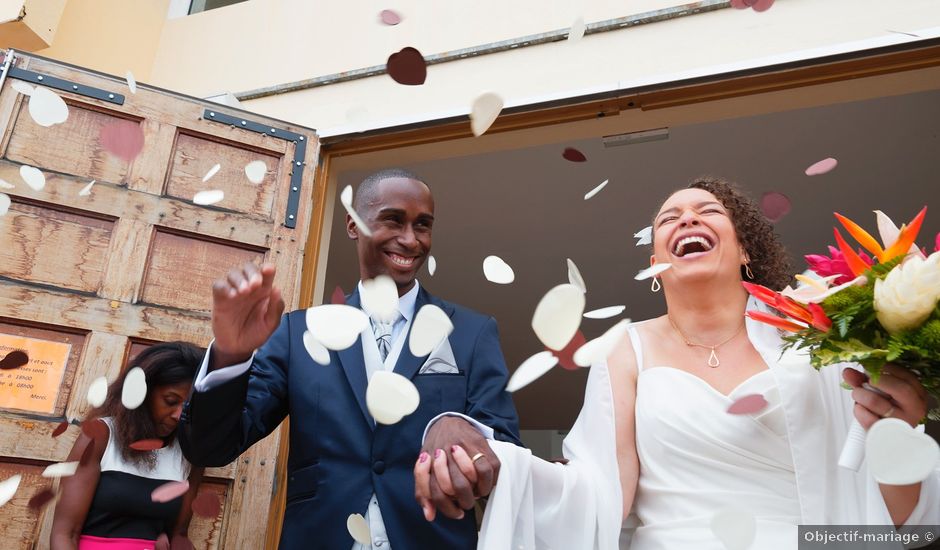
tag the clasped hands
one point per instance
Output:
(447, 477)
(899, 395)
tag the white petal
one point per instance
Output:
(8, 488)
(346, 197)
(735, 527)
(4, 203)
(598, 349)
(576, 32)
(531, 370)
(497, 271)
(390, 397)
(255, 171)
(317, 351)
(24, 88)
(652, 271)
(205, 198)
(359, 529)
(131, 82)
(336, 326)
(134, 390)
(558, 315)
(861, 280)
(605, 312)
(890, 232)
(897, 454)
(6, 185)
(484, 112)
(596, 190)
(574, 276)
(33, 177)
(98, 391)
(212, 171)
(47, 108)
(644, 235)
(380, 298)
(430, 326)
(61, 469)
(432, 265)
(87, 189)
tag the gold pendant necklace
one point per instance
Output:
(713, 361)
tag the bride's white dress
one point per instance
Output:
(695, 458)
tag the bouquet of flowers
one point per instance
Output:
(865, 309)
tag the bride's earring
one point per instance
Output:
(747, 270)
(655, 286)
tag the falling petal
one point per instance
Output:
(134, 389)
(576, 32)
(338, 297)
(4, 203)
(775, 205)
(8, 488)
(429, 328)
(317, 351)
(255, 171)
(47, 108)
(432, 265)
(33, 177)
(98, 391)
(898, 454)
(380, 298)
(407, 67)
(558, 316)
(497, 271)
(40, 499)
(346, 197)
(205, 198)
(596, 190)
(598, 349)
(23, 87)
(749, 404)
(531, 370)
(485, 109)
(212, 171)
(566, 355)
(131, 82)
(60, 428)
(652, 271)
(87, 189)
(644, 236)
(605, 312)
(390, 397)
(574, 276)
(169, 491)
(336, 326)
(822, 167)
(207, 505)
(573, 155)
(147, 444)
(359, 529)
(61, 469)
(6, 185)
(762, 5)
(15, 359)
(735, 527)
(389, 17)
(123, 138)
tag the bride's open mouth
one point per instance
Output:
(692, 246)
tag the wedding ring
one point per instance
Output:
(476, 457)
(889, 413)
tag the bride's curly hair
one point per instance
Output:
(769, 259)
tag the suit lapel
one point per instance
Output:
(408, 364)
(354, 366)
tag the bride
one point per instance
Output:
(656, 414)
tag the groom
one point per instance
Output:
(341, 462)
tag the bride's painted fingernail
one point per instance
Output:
(423, 457)
(453, 448)
(438, 453)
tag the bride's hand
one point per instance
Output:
(906, 397)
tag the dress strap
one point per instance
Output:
(637, 346)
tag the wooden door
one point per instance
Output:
(86, 281)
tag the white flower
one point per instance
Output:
(906, 297)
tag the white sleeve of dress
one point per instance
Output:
(538, 504)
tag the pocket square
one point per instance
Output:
(441, 361)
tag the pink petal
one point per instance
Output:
(572, 154)
(739, 4)
(169, 491)
(389, 17)
(823, 166)
(762, 5)
(748, 404)
(566, 355)
(147, 444)
(124, 139)
(339, 297)
(775, 205)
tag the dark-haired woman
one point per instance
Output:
(656, 413)
(107, 504)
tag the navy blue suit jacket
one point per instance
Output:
(338, 456)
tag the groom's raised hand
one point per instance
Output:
(246, 309)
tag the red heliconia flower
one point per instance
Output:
(835, 264)
(813, 315)
(820, 320)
